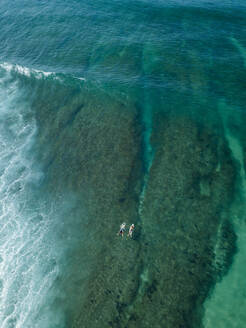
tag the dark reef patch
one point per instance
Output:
(97, 158)
(180, 221)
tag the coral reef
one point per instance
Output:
(162, 276)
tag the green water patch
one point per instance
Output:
(225, 307)
(240, 48)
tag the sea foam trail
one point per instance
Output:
(28, 262)
(25, 70)
(37, 74)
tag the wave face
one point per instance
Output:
(27, 266)
(31, 227)
(122, 111)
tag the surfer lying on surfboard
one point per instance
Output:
(131, 230)
(122, 229)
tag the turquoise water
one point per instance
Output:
(114, 111)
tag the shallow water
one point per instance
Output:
(117, 111)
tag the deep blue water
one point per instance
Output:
(115, 111)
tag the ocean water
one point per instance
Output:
(122, 111)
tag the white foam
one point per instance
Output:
(81, 78)
(26, 71)
(28, 264)
(38, 74)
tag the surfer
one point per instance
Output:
(131, 230)
(122, 229)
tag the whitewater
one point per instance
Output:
(28, 261)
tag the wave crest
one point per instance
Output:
(31, 72)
